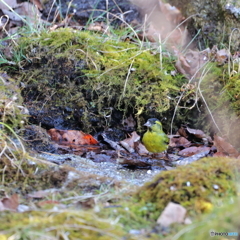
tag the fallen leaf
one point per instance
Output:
(128, 143)
(179, 142)
(38, 4)
(191, 63)
(222, 56)
(187, 152)
(140, 149)
(163, 24)
(196, 132)
(71, 137)
(29, 11)
(182, 132)
(10, 203)
(224, 147)
(133, 161)
(113, 144)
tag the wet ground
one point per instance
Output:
(107, 169)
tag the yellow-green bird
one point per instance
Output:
(155, 140)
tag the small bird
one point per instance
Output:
(155, 140)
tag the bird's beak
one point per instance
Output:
(147, 124)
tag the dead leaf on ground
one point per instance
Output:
(71, 137)
(50, 204)
(73, 141)
(38, 4)
(224, 147)
(182, 132)
(9, 203)
(187, 152)
(140, 149)
(196, 132)
(128, 143)
(177, 142)
(222, 56)
(99, 27)
(191, 63)
(113, 144)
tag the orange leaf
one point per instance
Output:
(71, 137)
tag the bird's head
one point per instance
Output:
(153, 123)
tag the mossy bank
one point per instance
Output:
(87, 80)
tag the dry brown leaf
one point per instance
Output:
(190, 63)
(140, 149)
(222, 56)
(179, 142)
(196, 132)
(182, 132)
(187, 152)
(163, 23)
(131, 140)
(29, 11)
(38, 4)
(98, 27)
(224, 147)
(10, 203)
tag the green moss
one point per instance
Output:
(10, 102)
(192, 186)
(86, 70)
(220, 92)
(58, 225)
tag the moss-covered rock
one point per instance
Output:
(81, 77)
(193, 186)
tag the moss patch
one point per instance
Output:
(10, 102)
(192, 186)
(220, 92)
(59, 225)
(85, 76)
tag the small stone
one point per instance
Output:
(188, 184)
(173, 213)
